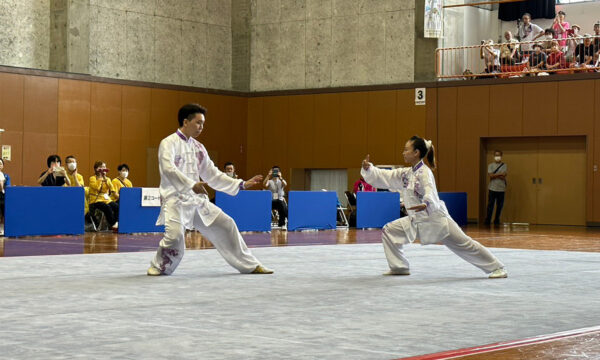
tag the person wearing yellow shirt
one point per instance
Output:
(101, 189)
(75, 178)
(121, 181)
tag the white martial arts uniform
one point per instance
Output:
(432, 225)
(182, 163)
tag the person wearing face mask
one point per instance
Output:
(497, 173)
(428, 218)
(550, 34)
(121, 181)
(101, 189)
(230, 170)
(75, 177)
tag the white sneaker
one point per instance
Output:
(498, 274)
(398, 272)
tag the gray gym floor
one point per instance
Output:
(323, 302)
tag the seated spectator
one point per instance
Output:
(547, 42)
(230, 170)
(275, 183)
(101, 189)
(537, 60)
(491, 57)
(75, 178)
(561, 27)
(121, 181)
(362, 185)
(597, 36)
(4, 182)
(556, 60)
(573, 40)
(584, 53)
(55, 175)
(509, 53)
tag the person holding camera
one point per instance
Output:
(101, 189)
(561, 29)
(56, 175)
(275, 183)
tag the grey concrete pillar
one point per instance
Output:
(240, 42)
(70, 36)
(424, 48)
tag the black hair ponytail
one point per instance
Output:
(420, 144)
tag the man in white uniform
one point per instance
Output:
(184, 167)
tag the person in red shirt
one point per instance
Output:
(362, 185)
(556, 59)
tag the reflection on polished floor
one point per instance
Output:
(563, 238)
(566, 238)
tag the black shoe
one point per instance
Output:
(486, 223)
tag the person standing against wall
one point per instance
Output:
(497, 173)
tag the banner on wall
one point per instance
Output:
(434, 18)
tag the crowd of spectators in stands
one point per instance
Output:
(559, 49)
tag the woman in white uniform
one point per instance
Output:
(428, 218)
(185, 167)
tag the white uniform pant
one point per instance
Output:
(222, 233)
(394, 237)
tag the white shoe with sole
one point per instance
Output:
(498, 274)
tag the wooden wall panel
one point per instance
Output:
(40, 105)
(163, 115)
(11, 120)
(327, 147)
(431, 123)
(105, 128)
(11, 102)
(446, 149)
(40, 125)
(216, 128)
(254, 147)
(36, 149)
(410, 120)
(236, 136)
(135, 131)
(506, 110)
(576, 101)
(540, 105)
(382, 128)
(473, 108)
(74, 110)
(275, 129)
(595, 170)
(300, 134)
(353, 129)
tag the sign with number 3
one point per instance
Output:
(419, 96)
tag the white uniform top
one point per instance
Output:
(416, 186)
(182, 163)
